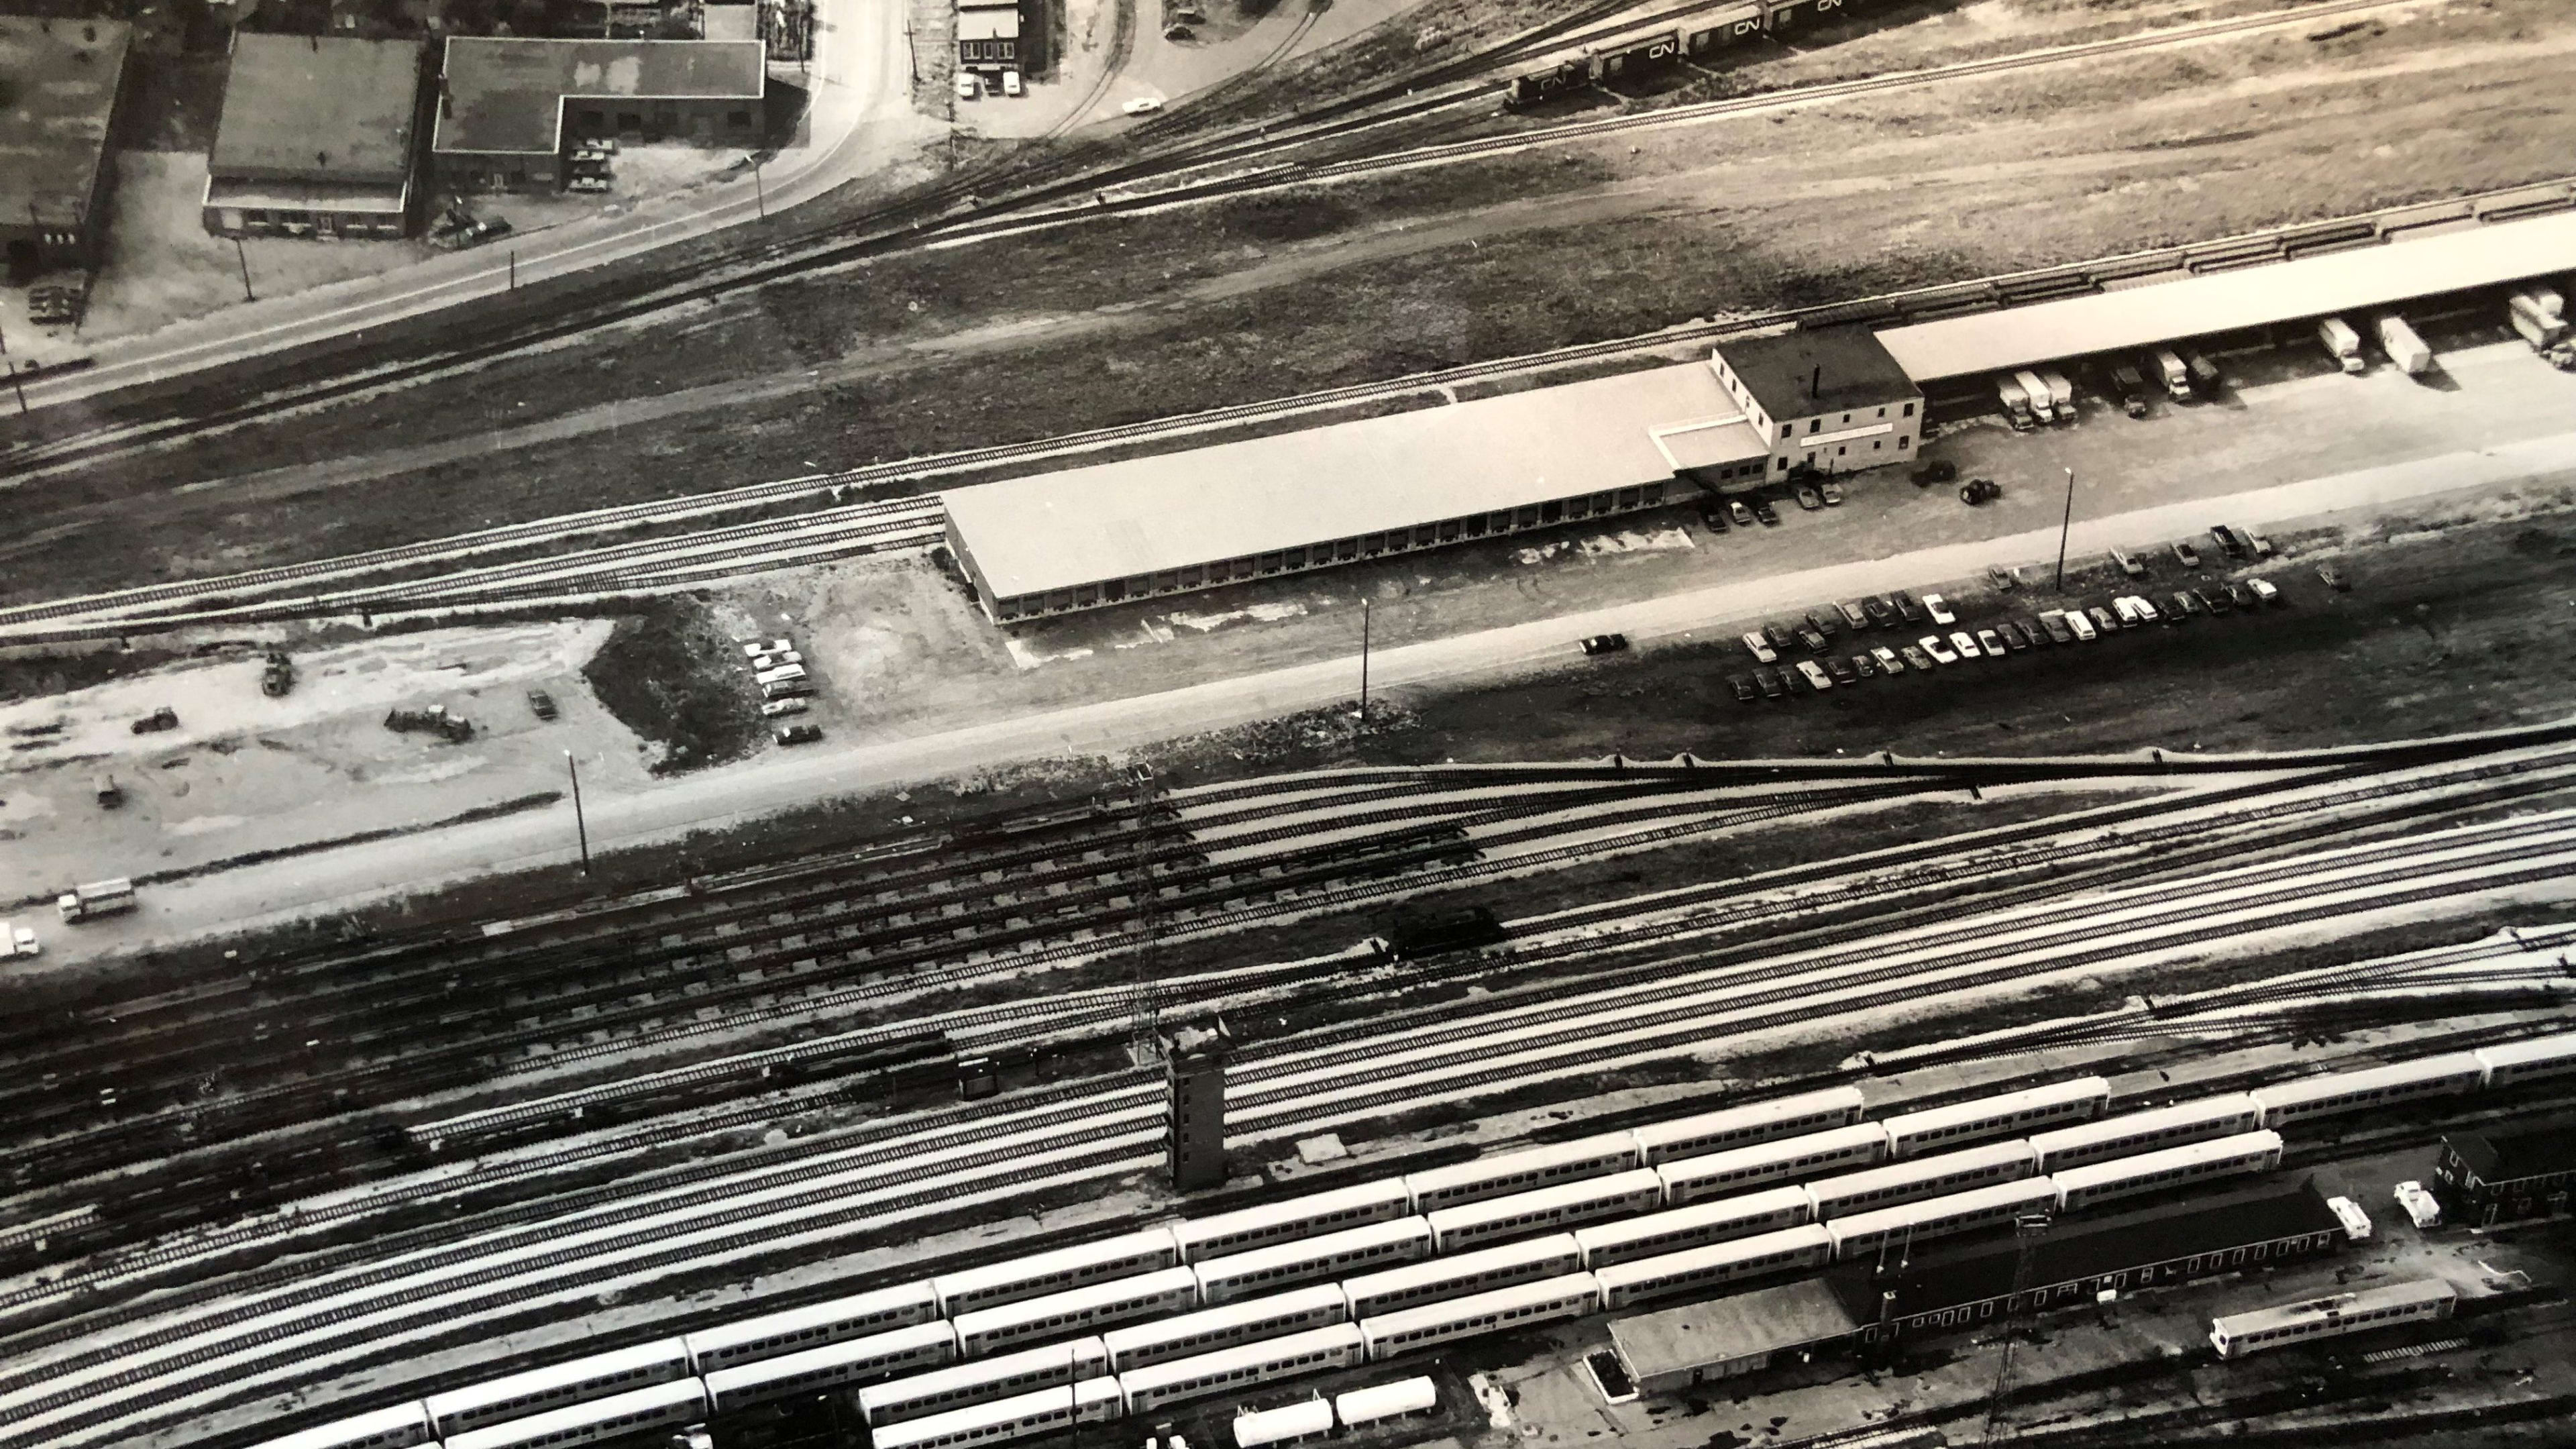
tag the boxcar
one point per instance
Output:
(1707, 34)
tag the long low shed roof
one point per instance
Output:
(2137, 317)
(1234, 500)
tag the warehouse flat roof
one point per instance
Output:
(319, 109)
(505, 94)
(58, 81)
(1796, 374)
(1767, 1320)
(1144, 515)
(2137, 317)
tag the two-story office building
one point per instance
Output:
(1827, 401)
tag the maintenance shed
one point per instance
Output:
(61, 82)
(1174, 522)
(2491, 1178)
(2140, 317)
(318, 138)
(509, 108)
(1744, 1333)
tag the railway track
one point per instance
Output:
(2265, 898)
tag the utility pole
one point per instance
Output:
(244, 258)
(1146, 1028)
(1364, 662)
(759, 192)
(20, 384)
(2065, 526)
(579, 824)
(514, 269)
(2028, 1231)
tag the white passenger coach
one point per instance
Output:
(921, 1347)
(956, 1387)
(1087, 1309)
(538, 1390)
(1477, 1272)
(2081, 1187)
(1931, 1176)
(1210, 1329)
(859, 1316)
(619, 1416)
(1334, 1255)
(1692, 1227)
(2149, 1131)
(1937, 1129)
(1549, 1208)
(1723, 1174)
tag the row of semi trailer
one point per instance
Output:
(1216, 1305)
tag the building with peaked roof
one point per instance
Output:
(509, 110)
(1174, 522)
(2492, 1177)
(1828, 401)
(61, 85)
(319, 137)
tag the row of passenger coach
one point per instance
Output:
(1732, 1170)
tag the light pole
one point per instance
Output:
(579, 824)
(20, 384)
(759, 191)
(244, 258)
(2064, 526)
(1364, 662)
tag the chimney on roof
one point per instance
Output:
(1816, 382)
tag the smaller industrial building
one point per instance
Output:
(62, 83)
(988, 35)
(2493, 1178)
(510, 110)
(319, 137)
(1829, 401)
(1742, 1333)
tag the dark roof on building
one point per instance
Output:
(1764, 1321)
(2506, 1158)
(501, 95)
(2072, 1252)
(58, 83)
(317, 108)
(1798, 374)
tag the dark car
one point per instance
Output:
(2014, 639)
(2003, 582)
(2103, 619)
(1820, 622)
(1909, 608)
(2186, 555)
(2185, 605)
(1938, 470)
(2031, 631)
(1778, 636)
(799, 734)
(1808, 498)
(1605, 643)
(1854, 615)
(1864, 666)
(1841, 669)
(1814, 641)
(541, 703)
(1744, 688)
(1713, 514)
(1880, 611)
(2058, 633)
(2214, 599)
(2334, 578)
(2229, 544)
(1769, 683)
(2241, 596)
(1763, 510)
(1915, 658)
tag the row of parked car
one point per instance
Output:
(2045, 630)
(786, 688)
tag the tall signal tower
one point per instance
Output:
(1194, 1070)
(2029, 1230)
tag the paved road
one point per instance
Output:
(861, 118)
(259, 896)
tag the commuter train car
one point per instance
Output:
(1896, 1182)
(2149, 1131)
(1509, 1172)
(1701, 1270)
(2337, 1092)
(1305, 1217)
(1565, 1205)
(2240, 1334)
(538, 1390)
(813, 1370)
(618, 1416)
(862, 1315)
(1724, 1174)
(1707, 1132)
(2513, 1063)
(1863, 1234)
(399, 1427)
(1042, 1273)
(1334, 1255)
(1211, 1329)
(2247, 1152)
(1936, 1129)
(1234, 1369)
(1569, 1296)
(1087, 1309)
(944, 1390)
(1468, 1273)
(1045, 1411)
(1697, 1226)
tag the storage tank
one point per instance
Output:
(2403, 347)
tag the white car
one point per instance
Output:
(1143, 106)
(755, 649)
(1939, 609)
(1966, 643)
(1888, 663)
(1817, 679)
(1761, 647)
(17, 940)
(2081, 627)
(772, 661)
(2141, 608)
(1010, 83)
(2356, 1223)
(777, 707)
(2419, 1204)
(2263, 590)
(1941, 653)
(967, 90)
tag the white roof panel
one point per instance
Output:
(2120, 1169)
(2129, 1124)
(2395, 1074)
(1076, 1300)
(1039, 1265)
(578, 1416)
(2137, 317)
(1582, 1149)
(1459, 1265)
(1385, 1401)
(1979, 1110)
(1365, 1197)
(352, 1430)
(1663, 1265)
(1057, 1356)
(831, 1355)
(1920, 1169)
(1500, 1300)
(1751, 1207)
(580, 1370)
(1545, 1199)
(2340, 1305)
(1171, 510)
(2537, 1049)
(1256, 1427)
(914, 1297)
(1294, 1302)
(1000, 1411)
(1764, 1154)
(1340, 1336)
(1279, 1255)
(1749, 1118)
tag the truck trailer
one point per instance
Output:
(2168, 368)
(2341, 343)
(2061, 394)
(2016, 401)
(2040, 397)
(98, 898)
(2402, 345)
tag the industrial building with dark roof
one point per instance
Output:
(1828, 401)
(61, 83)
(319, 137)
(510, 109)
(2493, 1177)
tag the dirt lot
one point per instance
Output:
(1131, 319)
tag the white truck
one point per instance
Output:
(2402, 345)
(98, 898)
(2016, 401)
(2539, 314)
(2167, 365)
(17, 940)
(2341, 343)
(2061, 394)
(2040, 397)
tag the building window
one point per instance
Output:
(1815, 424)
(1902, 439)
(1882, 412)
(1875, 445)
(1909, 410)
(1785, 430)
(1784, 465)
(1846, 417)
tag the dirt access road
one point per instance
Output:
(1133, 319)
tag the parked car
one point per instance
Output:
(2031, 631)
(1744, 688)
(1605, 643)
(2184, 604)
(1909, 608)
(2226, 538)
(2054, 622)
(967, 90)
(778, 707)
(1854, 615)
(1980, 490)
(2004, 583)
(1915, 658)
(476, 233)
(587, 184)
(1778, 636)
(779, 660)
(1011, 85)
(1939, 609)
(1840, 668)
(1991, 642)
(2080, 624)
(775, 646)
(799, 734)
(1887, 661)
(541, 704)
(589, 156)
(1808, 498)
(1863, 665)
(1881, 612)
(1822, 622)
(2102, 619)
(1712, 515)
(1832, 491)
(1817, 679)
(1760, 647)
(1763, 510)
(1936, 470)
(1931, 644)
(2013, 637)
(2186, 555)
(1142, 106)
(1814, 641)
(1742, 515)
(2128, 565)
(1769, 683)
(2422, 1209)
(2262, 589)
(2334, 579)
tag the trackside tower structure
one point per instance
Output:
(1194, 1069)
